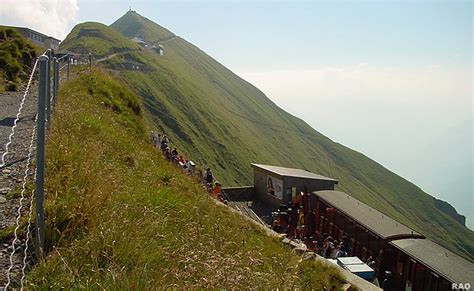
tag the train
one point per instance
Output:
(414, 262)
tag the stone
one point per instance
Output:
(3, 199)
(4, 190)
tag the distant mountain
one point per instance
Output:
(135, 25)
(220, 120)
(444, 167)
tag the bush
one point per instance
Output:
(16, 56)
(12, 87)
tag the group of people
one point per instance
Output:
(291, 219)
(163, 143)
(172, 155)
(330, 248)
(214, 189)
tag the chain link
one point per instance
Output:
(12, 132)
(28, 230)
(23, 189)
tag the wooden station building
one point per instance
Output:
(277, 185)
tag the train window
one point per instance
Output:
(427, 283)
(444, 284)
(335, 232)
(400, 267)
(434, 282)
(419, 277)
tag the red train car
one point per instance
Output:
(416, 263)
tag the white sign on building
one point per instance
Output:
(275, 187)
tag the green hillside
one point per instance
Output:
(121, 218)
(96, 38)
(223, 121)
(16, 58)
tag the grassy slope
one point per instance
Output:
(226, 123)
(96, 38)
(120, 217)
(16, 56)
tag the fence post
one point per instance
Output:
(55, 81)
(68, 58)
(90, 63)
(48, 86)
(42, 97)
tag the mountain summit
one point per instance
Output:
(133, 24)
(224, 122)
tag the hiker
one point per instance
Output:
(371, 263)
(191, 167)
(319, 246)
(208, 176)
(217, 192)
(335, 250)
(175, 159)
(153, 137)
(158, 141)
(164, 143)
(174, 152)
(300, 223)
(387, 284)
(184, 166)
(217, 189)
(328, 247)
(340, 253)
(345, 244)
(167, 154)
(200, 175)
(209, 188)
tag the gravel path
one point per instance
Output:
(11, 176)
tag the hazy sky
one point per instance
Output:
(387, 78)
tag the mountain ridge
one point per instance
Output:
(223, 121)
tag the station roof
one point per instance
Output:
(289, 172)
(369, 218)
(442, 261)
(34, 31)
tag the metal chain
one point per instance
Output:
(12, 132)
(28, 230)
(65, 55)
(23, 189)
